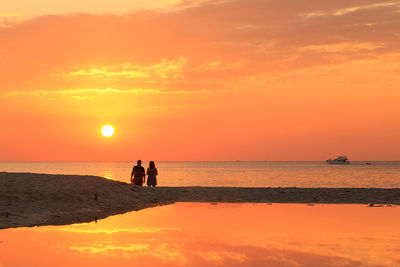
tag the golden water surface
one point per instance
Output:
(203, 234)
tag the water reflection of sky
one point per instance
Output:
(199, 234)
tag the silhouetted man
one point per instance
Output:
(138, 174)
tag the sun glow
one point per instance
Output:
(107, 131)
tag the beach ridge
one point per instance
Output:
(31, 199)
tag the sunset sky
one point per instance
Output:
(199, 80)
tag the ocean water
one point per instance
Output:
(249, 174)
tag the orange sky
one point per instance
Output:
(199, 80)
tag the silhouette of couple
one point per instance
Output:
(138, 175)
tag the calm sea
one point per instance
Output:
(252, 174)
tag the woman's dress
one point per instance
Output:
(152, 179)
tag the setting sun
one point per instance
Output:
(107, 131)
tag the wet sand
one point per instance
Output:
(28, 199)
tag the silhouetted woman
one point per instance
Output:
(152, 173)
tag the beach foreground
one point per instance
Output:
(28, 199)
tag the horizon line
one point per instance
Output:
(129, 161)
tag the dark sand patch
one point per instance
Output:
(28, 199)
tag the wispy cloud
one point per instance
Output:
(79, 94)
(198, 46)
(166, 69)
(365, 7)
(85, 94)
(9, 15)
(350, 9)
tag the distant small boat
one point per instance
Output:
(339, 160)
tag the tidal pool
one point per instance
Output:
(203, 234)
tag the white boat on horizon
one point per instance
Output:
(339, 160)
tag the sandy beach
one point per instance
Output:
(28, 199)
